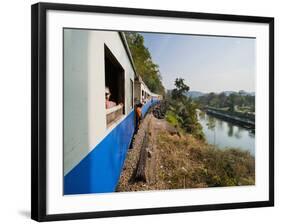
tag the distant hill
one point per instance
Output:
(241, 92)
(194, 94)
(251, 93)
(227, 93)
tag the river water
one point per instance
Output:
(224, 134)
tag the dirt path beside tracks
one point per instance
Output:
(142, 165)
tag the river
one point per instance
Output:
(224, 134)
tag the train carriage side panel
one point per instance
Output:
(148, 105)
(99, 171)
(93, 152)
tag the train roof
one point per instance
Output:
(125, 43)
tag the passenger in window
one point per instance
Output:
(109, 104)
(143, 100)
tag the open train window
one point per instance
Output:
(132, 93)
(114, 88)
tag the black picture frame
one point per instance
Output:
(39, 108)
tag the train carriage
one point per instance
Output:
(96, 138)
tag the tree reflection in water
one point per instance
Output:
(211, 125)
(230, 129)
(224, 134)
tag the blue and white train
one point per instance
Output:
(96, 139)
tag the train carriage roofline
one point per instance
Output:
(125, 43)
(137, 76)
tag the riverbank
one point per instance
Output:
(241, 119)
(175, 161)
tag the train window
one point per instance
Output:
(132, 92)
(114, 88)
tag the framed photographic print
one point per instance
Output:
(139, 111)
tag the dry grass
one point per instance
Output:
(189, 163)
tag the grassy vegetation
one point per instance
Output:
(182, 111)
(172, 118)
(188, 125)
(190, 163)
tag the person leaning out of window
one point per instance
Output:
(108, 103)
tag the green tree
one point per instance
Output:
(183, 110)
(222, 99)
(242, 101)
(145, 67)
(231, 102)
(181, 89)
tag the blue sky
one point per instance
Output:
(207, 63)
